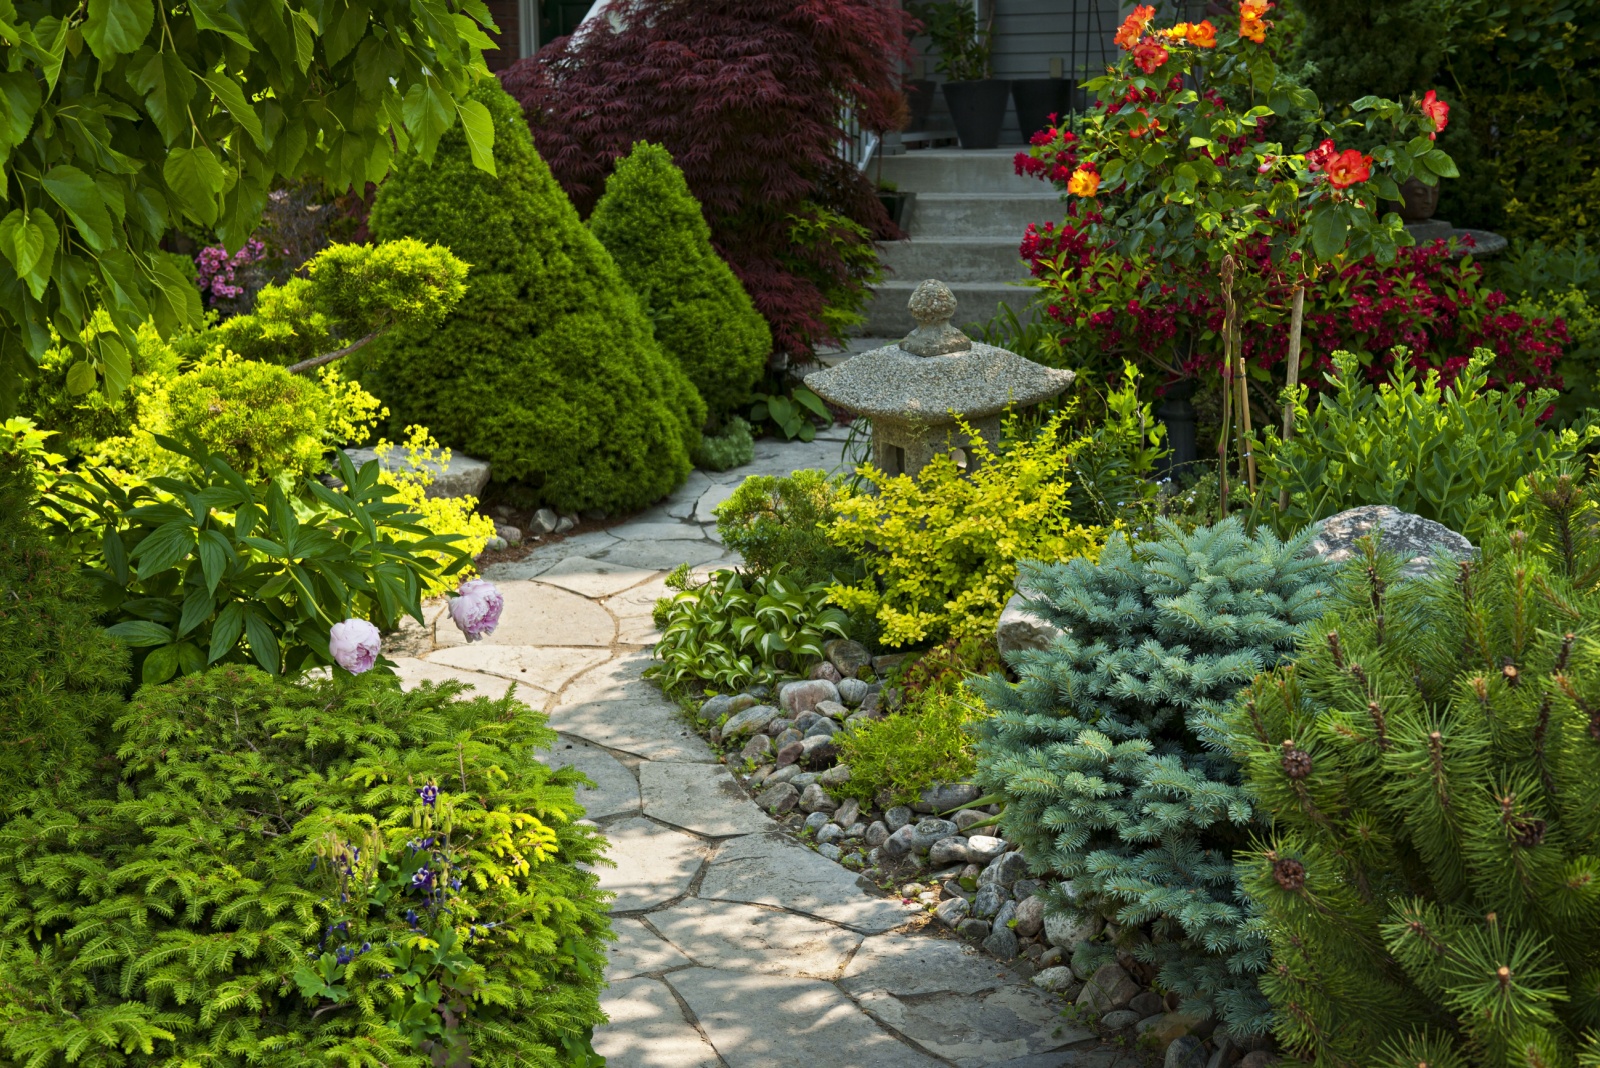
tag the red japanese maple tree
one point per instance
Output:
(747, 96)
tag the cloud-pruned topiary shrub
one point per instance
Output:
(1110, 754)
(652, 226)
(305, 875)
(548, 368)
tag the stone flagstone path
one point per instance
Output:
(737, 947)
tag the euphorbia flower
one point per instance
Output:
(476, 608)
(354, 645)
(1318, 157)
(1437, 110)
(1251, 19)
(1083, 183)
(1148, 55)
(1348, 168)
(1133, 26)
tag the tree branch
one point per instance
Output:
(328, 357)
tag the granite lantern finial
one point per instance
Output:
(915, 391)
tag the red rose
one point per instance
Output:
(1149, 55)
(1348, 168)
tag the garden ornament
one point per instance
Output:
(914, 392)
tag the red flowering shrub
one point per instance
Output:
(746, 95)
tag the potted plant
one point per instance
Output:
(894, 202)
(977, 102)
(1037, 99)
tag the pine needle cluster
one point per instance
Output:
(1431, 763)
(1109, 754)
(170, 921)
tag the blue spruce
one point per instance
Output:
(1110, 752)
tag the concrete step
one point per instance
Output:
(957, 170)
(981, 215)
(976, 303)
(953, 259)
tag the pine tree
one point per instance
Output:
(652, 226)
(1430, 761)
(1108, 752)
(547, 368)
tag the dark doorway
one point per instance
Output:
(558, 18)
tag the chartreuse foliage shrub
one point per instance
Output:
(549, 369)
(212, 568)
(940, 549)
(61, 676)
(652, 226)
(273, 880)
(734, 628)
(443, 516)
(1431, 888)
(1455, 453)
(926, 741)
(781, 521)
(1109, 751)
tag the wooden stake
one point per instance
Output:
(1228, 271)
(1297, 320)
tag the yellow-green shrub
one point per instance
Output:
(440, 515)
(941, 549)
(923, 743)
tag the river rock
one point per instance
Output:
(987, 901)
(1057, 981)
(852, 692)
(818, 751)
(943, 797)
(1109, 988)
(850, 808)
(1030, 916)
(757, 749)
(952, 911)
(898, 844)
(715, 708)
(749, 721)
(779, 799)
(1002, 942)
(983, 848)
(897, 817)
(951, 850)
(826, 671)
(849, 657)
(1062, 930)
(832, 709)
(815, 799)
(1005, 869)
(798, 697)
(927, 832)
(463, 476)
(877, 834)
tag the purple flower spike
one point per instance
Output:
(476, 608)
(354, 645)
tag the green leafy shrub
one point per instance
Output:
(1108, 750)
(549, 371)
(212, 569)
(1453, 453)
(652, 226)
(940, 550)
(735, 629)
(1429, 764)
(732, 447)
(780, 522)
(924, 742)
(212, 879)
(794, 412)
(61, 676)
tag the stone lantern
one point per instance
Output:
(914, 391)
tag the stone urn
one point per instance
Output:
(915, 391)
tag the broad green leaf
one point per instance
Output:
(197, 608)
(168, 88)
(225, 632)
(1440, 163)
(81, 378)
(428, 114)
(166, 545)
(196, 177)
(75, 191)
(263, 639)
(214, 15)
(215, 554)
(117, 27)
(19, 103)
(160, 665)
(479, 129)
(140, 633)
(227, 90)
(1328, 231)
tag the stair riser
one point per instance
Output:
(920, 172)
(887, 315)
(980, 216)
(919, 259)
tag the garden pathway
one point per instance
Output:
(737, 947)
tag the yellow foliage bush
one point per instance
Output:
(440, 515)
(941, 549)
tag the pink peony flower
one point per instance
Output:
(476, 608)
(354, 645)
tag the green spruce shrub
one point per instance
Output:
(1108, 749)
(548, 369)
(780, 522)
(1431, 890)
(61, 676)
(272, 882)
(652, 226)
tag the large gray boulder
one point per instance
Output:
(461, 477)
(1410, 536)
(1022, 628)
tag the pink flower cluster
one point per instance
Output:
(215, 268)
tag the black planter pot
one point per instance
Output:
(978, 109)
(919, 97)
(1178, 415)
(1039, 98)
(896, 204)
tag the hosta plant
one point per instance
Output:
(211, 569)
(736, 628)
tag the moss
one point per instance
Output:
(652, 226)
(548, 368)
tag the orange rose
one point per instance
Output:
(1083, 183)
(1437, 110)
(1348, 168)
(1133, 26)
(1148, 55)
(1251, 19)
(1203, 35)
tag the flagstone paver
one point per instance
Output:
(737, 947)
